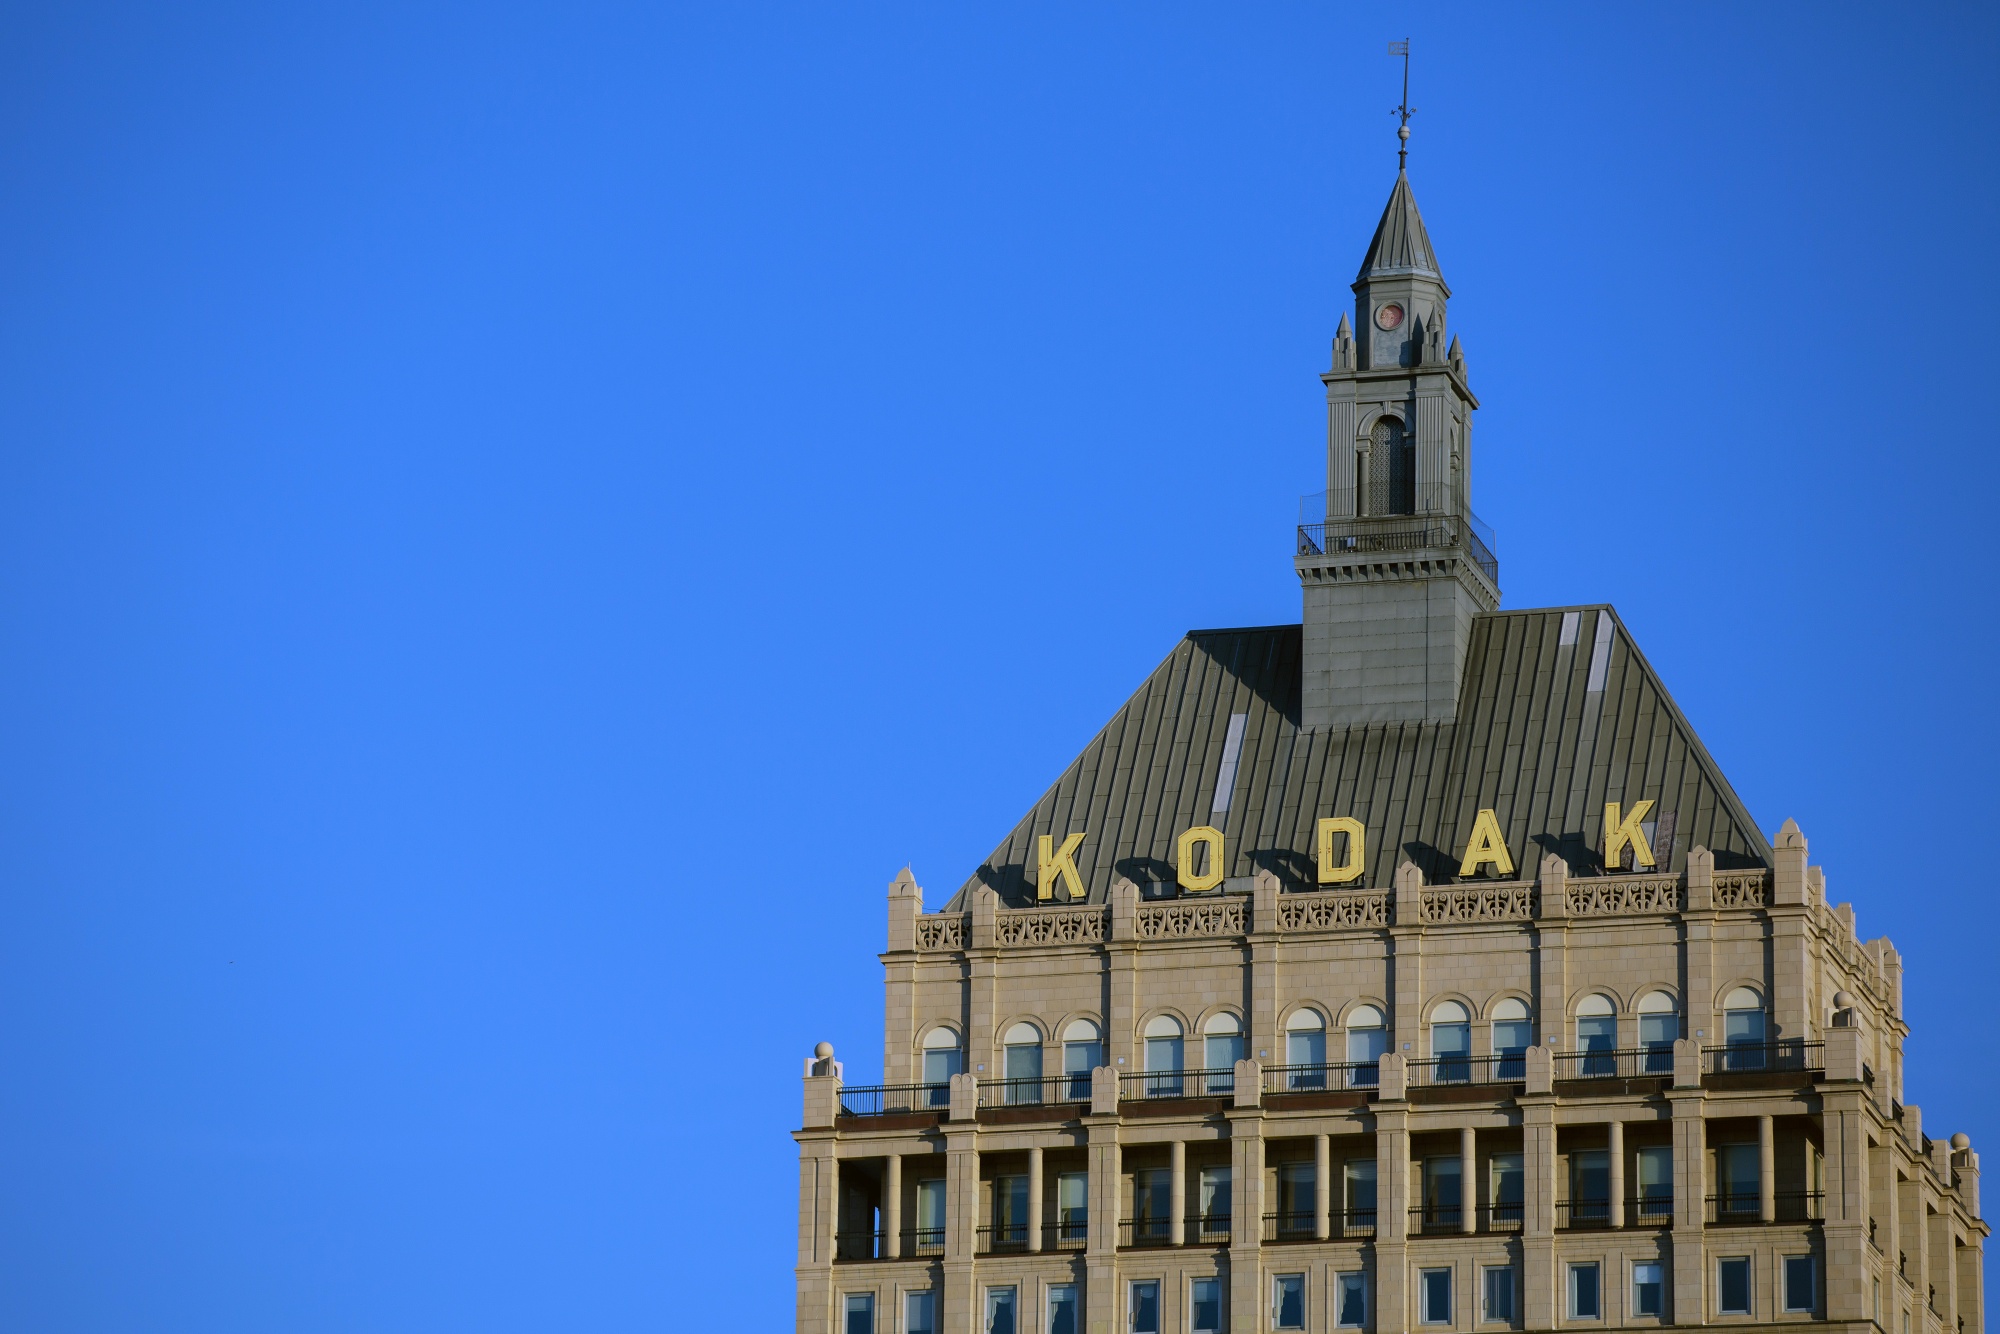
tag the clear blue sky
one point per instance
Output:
(508, 514)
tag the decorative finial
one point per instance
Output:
(1405, 111)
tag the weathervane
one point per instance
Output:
(1402, 49)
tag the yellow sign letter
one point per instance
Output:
(1486, 845)
(1341, 873)
(1617, 833)
(1052, 862)
(1210, 878)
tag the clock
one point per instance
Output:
(1388, 316)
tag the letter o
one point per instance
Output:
(1217, 865)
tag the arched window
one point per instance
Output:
(1451, 1043)
(1222, 1048)
(943, 1058)
(1659, 1025)
(1597, 1036)
(1743, 1031)
(1392, 469)
(1164, 1057)
(1367, 1039)
(1083, 1051)
(1513, 1034)
(1305, 1049)
(1021, 1063)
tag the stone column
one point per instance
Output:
(1538, 1192)
(1690, 1185)
(1322, 1186)
(1614, 1132)
(1767, 1161)
(1392, 1210)
(892, 1206)
(1101, 1237)
(819, 1199)
(1034, 1199)
(1406, 960)
(1468, 1179)
(958, 1294)
(1177, 1196)
(1698, 950)
(1246, 1224)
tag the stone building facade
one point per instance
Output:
(1412, 967)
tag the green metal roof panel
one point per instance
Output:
(1532, 740)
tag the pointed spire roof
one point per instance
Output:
(1401, 244)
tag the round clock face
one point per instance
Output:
(1388, 317)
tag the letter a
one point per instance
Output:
(1332, 872)
(1617, 833)
(1486, 845)
(1052, 862)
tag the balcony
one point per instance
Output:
(1735, 1058)
(1433, 1219)
(1652, 1211)
(1390, 533)
(1043, 1091)
(1003, 1239)
(894, 1099)
(1503, 1217)
(1321, 1078)
(1157, 1230)
(1153, 1085)
(1740, 1207)
(1072, 1234)
(1440, 1071)
(1284, 1227)
(1653, 1062)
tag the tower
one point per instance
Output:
(1392, 562)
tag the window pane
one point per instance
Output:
(1353, 1300)
(1062, 1308)
(1583, 1291)
(1151, 1193)
(1367, 1044)
(919, 1313)
(860, 1313)
(1499, 1297)
(1288, 1304)
(1308, 1048)
(999, 1311)
(1361, 1186)
(1224, 1050)
(1743, 1026)
(1146, 1308)
(1437, 1296)
(1205, 1300)
(1733, 1285)
(1512, 1036)
(1509, 1183)
(1163, 1053)
(1080, 1058)
(1451, 1039)
(1024, 1062)
(1648, 1289)
(1799, 1293)
(1597, 1033)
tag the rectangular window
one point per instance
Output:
(1297, 1199)
(860, 1312)
(1649, 1289)
(1737, 1179)
(1656, 1183)
(1000, 1311)
(1583, 1295)
(1732, 1285)
(1589, 1188)
(1079, 1059)
(1506, 1189)
(1800, 1294)
(1496, 1298)
(1878, 1301)
(1212, 1197)
(1442, 1194)
(1288, 1301)
(1205, 1306)
(1434, 1286)
(920, 1313)
(1152, 1204)
(1062, 1308)
(1010, 1211)
(1350, 1300)
(1072, 1208)
(928, 1239)
(1143, 1307)
(1360, 1181)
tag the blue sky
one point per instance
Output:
(507, 513)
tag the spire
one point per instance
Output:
(1401, 244)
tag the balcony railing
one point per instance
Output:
(1401, 532)
(1176, 1084)
(1318, 1078)
(1630, 1063)
(1434, 1218)
(1069, 1235)
(1503, 1217)
(1788, 1206)
(893, 1099)
(1208, 1229)
(1572, 1215)
(1198, 1230)
(1653, 1210)
(921, 1241)
(1353, 1223)
(858, 1245)
(1038, 1091)
(1796, 1056)
(1291, 1226)
(1510, 1068)
(1003, 1238)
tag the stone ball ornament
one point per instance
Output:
(824, 1051)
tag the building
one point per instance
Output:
(1413, 967)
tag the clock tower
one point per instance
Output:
(1393, 564)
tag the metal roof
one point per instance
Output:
(1400, 245)
(1558, 714)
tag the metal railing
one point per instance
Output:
(1655, 1210)
(893, 1099)
(1291, 1226)
(1508, 1216)
(1151, 1231)
(1572, 1215)
(1176, 1084)
(1070, 1235)
(920, 1241)
(1353, 1222)
(1210, 1229)
(1040, 1090)
(1795, 1056)
(1745, 1206)
(1627, 1063)
(1318, 1078)
(1434, 1218)
(1000, 1238)
(858, 1245)
(1401, 532)
(1430, 1072)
